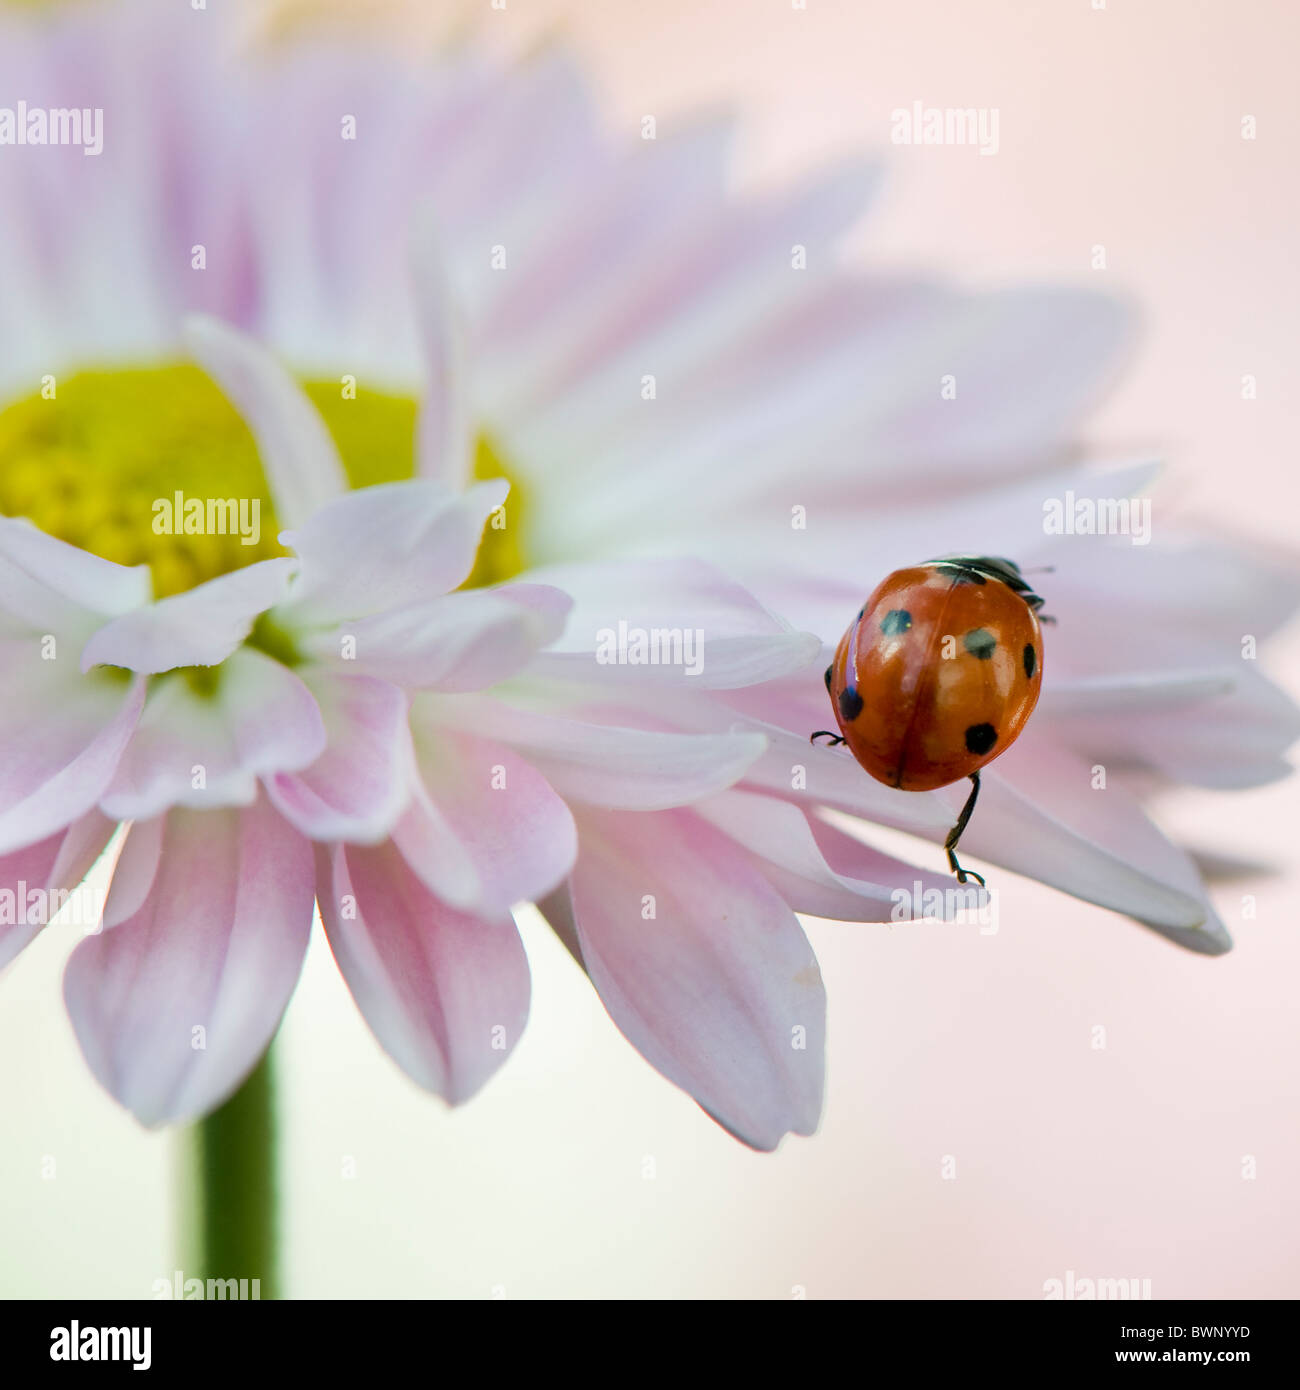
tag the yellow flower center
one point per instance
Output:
(155, 466)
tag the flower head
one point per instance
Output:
(434, 298)
(327, 697)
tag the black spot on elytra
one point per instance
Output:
(828, 678)
(1031, 661)
(980, 642)
(850, 704)
(960, 574)
(980, 738)
(896, 621)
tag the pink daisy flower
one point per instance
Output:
(661, 370)
(237, 723)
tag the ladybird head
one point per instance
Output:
(990, 567)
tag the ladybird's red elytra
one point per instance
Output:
(938, 674)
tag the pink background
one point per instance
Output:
(1119, 126)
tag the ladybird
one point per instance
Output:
(937, 675)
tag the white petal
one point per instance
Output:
(682, 305)
(1225, 732)
(302, 465)
(1129, 692)
(387, 547)
(624, 768)
(670, 622)
(460, 641)
(444, 442)
(561, 278)
(1190, 600)
(200, 627)
(50, 586)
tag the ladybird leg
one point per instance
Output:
(950, 844)
(1047, 618)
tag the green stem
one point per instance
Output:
(234, 1207)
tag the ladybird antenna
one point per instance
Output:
(1040, 569)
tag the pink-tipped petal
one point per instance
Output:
(61, 737)
(791, 852)
(135, 870)
(446, 994)
(1045, 812)
(358, 787)
(702, 966)
(484, 830)
(206, 748)
(53, 867)
(174, 1006)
